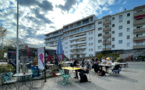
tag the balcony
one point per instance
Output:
(139, 13)
(106, 22)
(79, 42)
(77, 48)
(139, 38)
(107, 49)
(139, 30)
(107, 29)
(107, 36)
(138, 46)
(78, 37)
(107, 43)
(139, 22)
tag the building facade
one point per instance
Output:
(88, 36)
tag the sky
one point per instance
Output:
(38, 17)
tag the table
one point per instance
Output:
(68, 62)
(125, 64)
(106, 66)
(23, 78)
(71, 68)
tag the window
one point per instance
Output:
(128, 22)
(99, 41)
(99, 22)
(113, 46)
(139, 35)
(139, 19)
(128, 44)
(120, 34)
(128, 37)
(113, 39)
(120, 17)
(128, 14)
(139, 27)
(113, 18)
(113, 32)
(78, 23)
(120, 27)
(128, 29)
(120, 41)
(86, 21)
(99, 34)
(100, 28)
(99, 47)
(113, 25)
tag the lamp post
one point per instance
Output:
(105, 47)
(17, 55)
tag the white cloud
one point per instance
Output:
(110, 12)
(34, 20)
(124, 2)
(121, 8)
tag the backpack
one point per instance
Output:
(84, 78)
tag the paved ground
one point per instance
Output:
(131, 78)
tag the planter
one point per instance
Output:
(6, 78)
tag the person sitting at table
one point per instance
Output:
(83, 62)
(96, 66)
(103, 60)
(116, 69)
(52, 60)
(108, 62)
(75, 65)
(86, 68)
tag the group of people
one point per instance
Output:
(94, 64)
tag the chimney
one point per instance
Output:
(125, 9)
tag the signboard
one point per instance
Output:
(41, 58)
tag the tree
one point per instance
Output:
(99, 56)
(2, 34)
(12, 43)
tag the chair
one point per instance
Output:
(116, 69)
(65, 77)
(7, 80)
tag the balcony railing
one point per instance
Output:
(139, 22)
(106, 22)
(139, 30)
(107, 36)
(106, 49)
(107, 43)
(139, 13)
(107, 29)
(139, 38)
(138, 46)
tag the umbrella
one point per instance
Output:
(59, 50)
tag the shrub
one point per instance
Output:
(120, 60)
(6, 68)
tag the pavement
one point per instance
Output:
(130, 78)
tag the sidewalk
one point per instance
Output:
(130, 78)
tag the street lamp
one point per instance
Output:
(17, 55)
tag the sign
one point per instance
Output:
(5, 55)
(41, 58)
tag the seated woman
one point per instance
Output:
(96, 67)
(83, 77)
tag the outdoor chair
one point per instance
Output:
(116, 69)
(7, 81)
(65, 77)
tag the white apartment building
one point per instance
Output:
(124, 31)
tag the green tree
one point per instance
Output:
(99, 56)
(2, 34)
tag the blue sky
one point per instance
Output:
(38, 17)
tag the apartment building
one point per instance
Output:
(124, 31)
(77, 38)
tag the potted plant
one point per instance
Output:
(6, 68)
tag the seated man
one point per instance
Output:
(83, 77)
(116, 69)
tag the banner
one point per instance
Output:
(41, 58)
